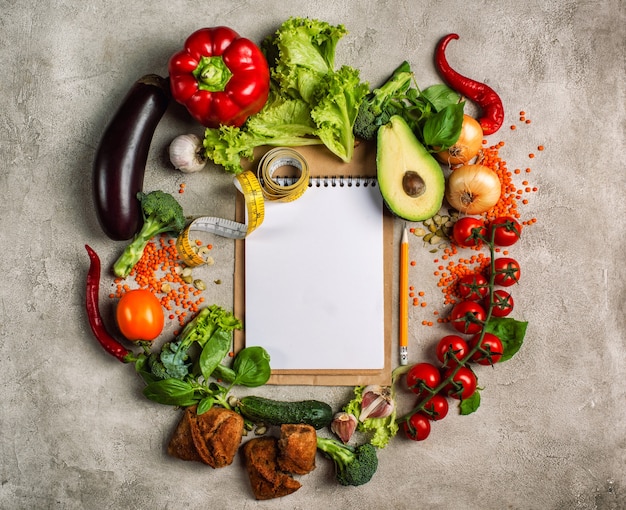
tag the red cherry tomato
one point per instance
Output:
(436, 408)
(491, 349)
(468, 317)
(507, 271)
(468, 231)
(502, 303)
(463, 384)
(139, 315)
(472, 286)
(420, 375)
(450, 349)
(505, 231)
(417, 427)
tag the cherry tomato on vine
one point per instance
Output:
(507, 271)
(468, 231)
(491, 349)
(468, 317)
(417, 427)
(472, 286)
(505, 231)
(422, 374)
(450, 349)
(436, 408)
(139, 315)
(502, 303)
(463, 383)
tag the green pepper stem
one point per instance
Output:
(212, 74)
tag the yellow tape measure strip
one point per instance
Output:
(247, 183)
(255, 191)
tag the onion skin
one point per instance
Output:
(473, 189)
(466, 147)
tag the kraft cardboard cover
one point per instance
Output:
(322, 163)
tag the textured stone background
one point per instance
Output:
(75, 432)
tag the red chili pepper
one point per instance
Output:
(220, 77)
(110, 344)
(483, 95)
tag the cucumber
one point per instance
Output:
(275, 412)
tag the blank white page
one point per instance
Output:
(314, 289)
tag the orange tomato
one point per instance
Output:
(139, 315)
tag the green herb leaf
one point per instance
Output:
(172, 392)
(443, 129)
(214, 351)
(511, 333)
(440, 96)
(224, 373)
(471, 404)
(252, 366)
(205, 404)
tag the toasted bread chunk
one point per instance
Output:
(297, 447)
(266, 479)
(217, 435)
(181, 443)
(212, 437)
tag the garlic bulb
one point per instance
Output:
(187, 153)
(343, 425)
(377, 402)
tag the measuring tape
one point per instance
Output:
(254, 194)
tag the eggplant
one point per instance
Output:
(120, 161)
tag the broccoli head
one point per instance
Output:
(161, 213)
(377, 107)
(353, 465)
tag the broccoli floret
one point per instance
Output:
(161, 213)
(377, 107)
(353, 465)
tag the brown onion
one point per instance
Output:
(473, 189)
(467, 146)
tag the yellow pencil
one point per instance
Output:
(404, 298)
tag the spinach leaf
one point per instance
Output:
(214, 351)
(172, 392)
(252, 367)
(511, 333)
(471, 404)
(443, 129)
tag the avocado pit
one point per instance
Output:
(412, 184)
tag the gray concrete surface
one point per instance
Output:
(75, 431)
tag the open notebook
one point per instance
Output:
(313, 282)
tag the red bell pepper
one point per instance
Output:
(220, 77)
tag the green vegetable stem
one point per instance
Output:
(161, 213)
(510, 331)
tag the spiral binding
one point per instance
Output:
(330, 181)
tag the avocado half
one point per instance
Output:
(410, 179)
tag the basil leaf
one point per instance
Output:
(224, 373)
(511, 333)
(440, 96)
(443, 129)
(205, 404)
(471, 404)
(172, 392)
(214, 351)
(252, 366)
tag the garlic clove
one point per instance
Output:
(377, 402)
(187, 153)
(343, 425)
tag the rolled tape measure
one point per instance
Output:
(247, 183)
(284, 189)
